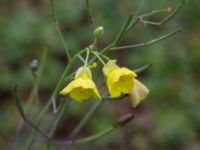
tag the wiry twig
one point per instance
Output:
(3, 136)
(21, 111)
(147, 43)
(167, 18)
(133, 20)
(121, 122)
(54, 17)
(154, 12)
(89, 11)
(55, 92)
(59, 116)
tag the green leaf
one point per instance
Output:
(142, 68)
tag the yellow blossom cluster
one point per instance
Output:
(120, 80)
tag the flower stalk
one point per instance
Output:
(82, 86)
(151, 42)
(122, 121)
(54, 17)
(89, 10)
(83, 121)
(55, 92)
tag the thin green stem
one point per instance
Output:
(145, 22)
(96, 136)
(59, 117)
(81, 58)
(94, 43)
(87, 57)
(88, 7)
(70, 76)
(142, 68)
(171, 15)
(149, 42)
(122, 121)
(97, 55)
(104, 56)
(85, 119)
(3, 136)
(52, 97)
(140, 7)
(135, 19)
(154, 12)
(54, 17)
(119, 35)
(131, 21)
(63, 41)
(167, 18)
(89, 10)
(22, 114)
(34, 93)
(123, 30)
(129, 24)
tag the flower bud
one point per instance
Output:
(125, 119)
(168, 9)
(34, 66)
(94, 65)
(98, 32)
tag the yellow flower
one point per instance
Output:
(119, 80)
(139, 92)
(82, 87)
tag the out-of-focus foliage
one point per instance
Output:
(168, 119)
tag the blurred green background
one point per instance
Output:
(168, 119)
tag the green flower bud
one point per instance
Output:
(98, 32)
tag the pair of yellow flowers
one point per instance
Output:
(120, 80)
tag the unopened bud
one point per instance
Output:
(94, 65)
(98, 32)
(34, 66)
(168, 9)
(123, 120)
(91, 47)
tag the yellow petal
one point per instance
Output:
(125, 84)
(120, 81)
(116, 74)
(81, 89)
(139, 93)
(80, 94)
(96, 93)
